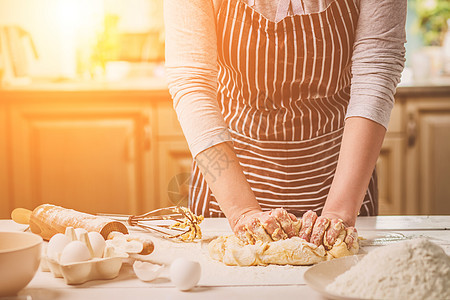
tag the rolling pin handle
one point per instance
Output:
(21, 216)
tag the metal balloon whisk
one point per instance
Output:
(175, 222)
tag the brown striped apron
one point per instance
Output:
(284, 89)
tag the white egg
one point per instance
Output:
(56, 245)
(79, 231)
(184, 273)
(146, 271)
(97, 242)
(75, 251)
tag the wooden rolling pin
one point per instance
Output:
(48, 220)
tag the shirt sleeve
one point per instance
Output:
(191, 65)
(378, 59)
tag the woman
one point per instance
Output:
(284, 104)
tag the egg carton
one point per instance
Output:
(81, 272)
(96, 268)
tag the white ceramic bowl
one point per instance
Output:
(20, 255)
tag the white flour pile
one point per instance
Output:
(415, 269)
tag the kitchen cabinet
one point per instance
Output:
(94, 151)
(85, 151)
(174, 158)
(428, 155)
(390, 168)
(390, 173)
(175, 172)
(414, 161)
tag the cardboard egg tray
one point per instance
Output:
(81, 272)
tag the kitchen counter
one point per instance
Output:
(74, 85)
(431, 87)
(224, 282)
(434, 87)
(140, 89)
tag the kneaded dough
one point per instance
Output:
(294, 251)
(340, 249)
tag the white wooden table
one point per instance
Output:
(224, 282)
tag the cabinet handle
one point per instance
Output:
(147, 138)
(411, 130)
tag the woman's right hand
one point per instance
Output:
(266, 226)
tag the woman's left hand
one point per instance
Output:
(325, 230)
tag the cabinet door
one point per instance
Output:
(174, 158)
(428, 156)
(175, 163)
(86, 157)
(6, 206)
(390, 176)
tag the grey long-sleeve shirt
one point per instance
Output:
(191, 60)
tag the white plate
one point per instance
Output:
(324, 273)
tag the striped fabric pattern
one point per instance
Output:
(284, 89)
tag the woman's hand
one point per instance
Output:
(268, 226)
(327, 229)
